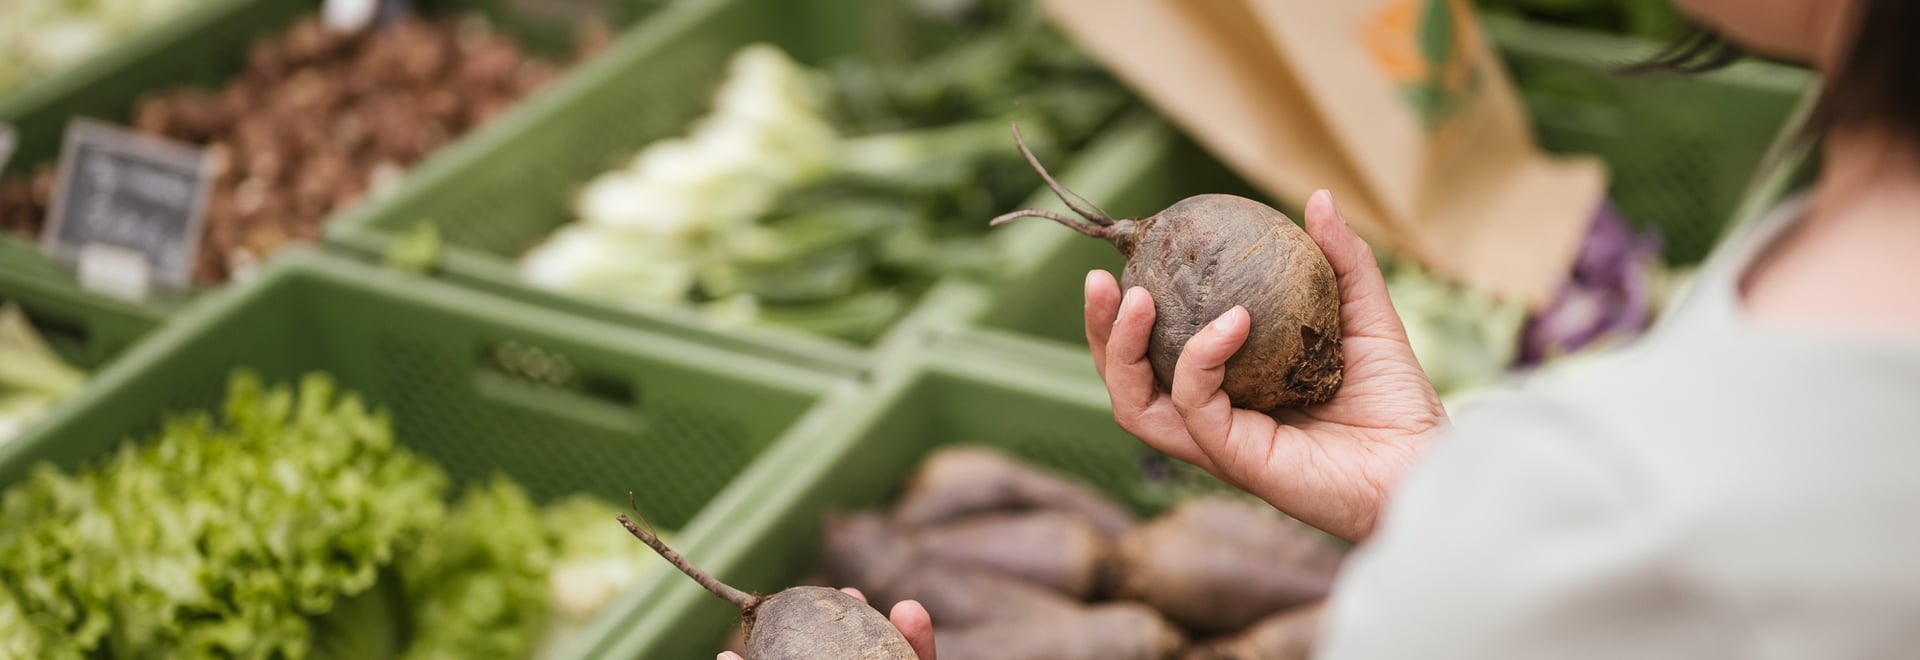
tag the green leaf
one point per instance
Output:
(218, 536)
(859, 318)
(370, 626)
(1437, 35)
(478, 590)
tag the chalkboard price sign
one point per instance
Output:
(133, 193)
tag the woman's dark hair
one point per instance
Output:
(1875, 83)
(1698, 50)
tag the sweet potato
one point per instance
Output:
(864, 552)
(1118, 631)
(1250, 522)
(1289, 635)
(1060, 551)
(961, 481)
(1219, 580)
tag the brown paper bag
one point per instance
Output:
(1398, 106)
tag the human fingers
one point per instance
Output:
(1128, 375)
(1138, 404)
(855, 593)
(1206, 409)
(1365, 307)
(1102, 308)
(916, 625)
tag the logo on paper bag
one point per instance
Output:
(1427, 47)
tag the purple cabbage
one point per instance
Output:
(1609, 294)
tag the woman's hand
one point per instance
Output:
(1330, 465)
(907, 615)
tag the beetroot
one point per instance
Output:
(800, 622)
(1204, 255)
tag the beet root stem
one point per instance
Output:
(1073, 200)
(1096, 231)
(741, 599)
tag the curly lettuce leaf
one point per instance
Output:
(217, 536)
(594, 562)
(478, 590)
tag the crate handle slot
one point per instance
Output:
(58, 329)
(550, 383)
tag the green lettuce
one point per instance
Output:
(479, 589)
(214, 536)
(292, 526)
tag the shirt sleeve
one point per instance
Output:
(1525, 535)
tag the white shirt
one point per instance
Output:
(1720, 490)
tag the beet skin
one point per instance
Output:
(1208, 253)
(798, 623)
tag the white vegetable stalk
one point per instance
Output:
(683, 215)
(645, 230)
(32, 377)
(42, 37)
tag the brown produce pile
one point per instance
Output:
(317, 121)
(1014, 562)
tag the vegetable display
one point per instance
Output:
(317, 121)
(1285, 636)
(32, 376)
(216, 537)
(43, 37)
(289, 524)
(1207, 254)
(963, 481)
(1218, 566)
(825, 199)
(1464, 338)
(1214, 577)
(1610, 295)
(1467, 340)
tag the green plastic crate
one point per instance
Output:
(1686, 156)
(85, 331)
(203, 46)
(1024, 402)
(1682, 150)
(496, 197)
(673, 421)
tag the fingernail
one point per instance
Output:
(1337, 215)
(1127, 301)
(1227, 320)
